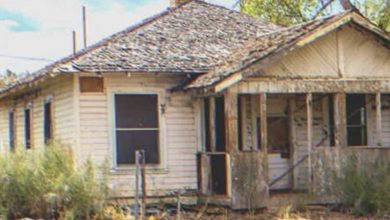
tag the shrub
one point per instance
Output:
(363, 186)
(49, 185)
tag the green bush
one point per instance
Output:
(363, 186)
(49, 185)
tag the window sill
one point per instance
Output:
(131, 170)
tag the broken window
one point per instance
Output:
(47, 122)
(356, 120)
(27, 128)
(11, 130)
(136, 127)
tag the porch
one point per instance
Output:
(263, 135)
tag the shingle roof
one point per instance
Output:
(191, 38)
(258, 49)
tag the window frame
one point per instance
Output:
(162, 165)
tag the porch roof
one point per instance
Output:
(267, 48)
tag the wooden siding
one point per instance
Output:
(178, 133)
(346, 52)
(60, 90)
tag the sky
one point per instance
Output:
(34, 33)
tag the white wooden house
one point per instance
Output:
(222, 103)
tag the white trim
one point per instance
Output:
(161, 101)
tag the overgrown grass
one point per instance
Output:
(363, 186)
(48, 185)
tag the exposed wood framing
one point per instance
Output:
(277, 85)
(340, 121)
(309, 109)
(212, 130)
(263, 122)
(378, 105)
(231, 122)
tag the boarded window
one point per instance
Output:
(91, 84)
(137, 127)
(11, 130)
(356, 120)
(47, 122)
(27, 128)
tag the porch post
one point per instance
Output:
(378, 105)
(263, 123)
(231, 116)
(212, 124)
(309, 110)
(340, 120)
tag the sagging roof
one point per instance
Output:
(261, 49)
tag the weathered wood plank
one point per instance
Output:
(231, 122)
(340, 120)
(309, 110)
(378, 105)
(263, 122)
(212, 124)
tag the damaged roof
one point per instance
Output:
(259, 49)
(194, 37)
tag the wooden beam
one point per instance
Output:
(231, 122)
(340, 120)
(263, 123)
(212, 124)
(378, 105)
(291, 139)
(309, 110)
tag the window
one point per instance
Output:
(356, 120)
(136, 127)
(27, 128)
(11, 129)
(218, 113)
(47, 122)
(278, 135)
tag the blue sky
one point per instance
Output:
(42, 28)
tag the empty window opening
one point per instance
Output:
(356, 120)
(137, 128)
(330, 132)
(11, 130)
(207, 134)
(220, 124)
(27, 128)
(47, 122)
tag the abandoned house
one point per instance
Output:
(222, 103)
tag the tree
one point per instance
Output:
(288, 12)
